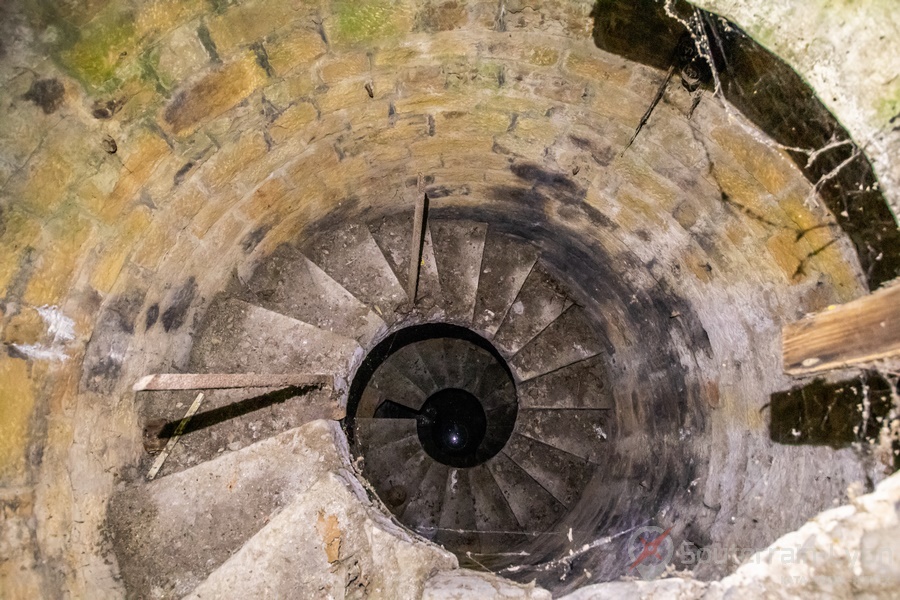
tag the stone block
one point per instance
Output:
(289, 90)
(568, 17)
(159, 238)
(228, 162)
(484, 14)
(352, 551)
(617, 103)
(248, 22)
(453, 48)
(395, 56)
(798, 209)
(463, 584)
(695, 259)
(60, 253)
(117, 250)
(543, 56)
(320, 163)
(650, 185)
(640, 213)
(165, 15)
(139, 161)
(687, 213)
(430, 96)
(98, 52)
(344, 95)
(596, 66)
(772, 168)
(783, 249)
(453, 151)
(292, 120)
(475, 75)
(293, 49)
(212, 213)
(224, 235)
(441, 15)
(476, 122)
(744, 194)
(25, 327)
(370, 141)
(188, 201)
(213, 94)
(181, 54)
(344, 67)
(47, 180)
(15, 417)
(358, 21)
(512, 102)
(273, 192)
(20, 232)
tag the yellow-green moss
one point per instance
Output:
(888, 104)
(149, 66)
(366, 20)
(102, 45)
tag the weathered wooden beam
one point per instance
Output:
(861, 331)
(418, 241)
(218, 381)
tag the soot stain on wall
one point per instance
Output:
(46, 93)
(110, 341)
(252, 239)
(669, 403)
(173, 317)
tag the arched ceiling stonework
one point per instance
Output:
(153, 150)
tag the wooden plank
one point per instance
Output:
(218, 381)
(158, 463)
(417, 242)
(858, 332)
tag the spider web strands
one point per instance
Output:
(565, 560)
(695, 25)
(573, 554)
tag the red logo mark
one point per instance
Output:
(651, 548)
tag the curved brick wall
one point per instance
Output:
(150, 150)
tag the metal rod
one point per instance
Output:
(217, 381)
(418, 241)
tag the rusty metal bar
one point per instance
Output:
(420, 220)
(217, 381)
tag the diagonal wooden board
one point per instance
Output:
(218, 381)
(170, 445)
(861, 331)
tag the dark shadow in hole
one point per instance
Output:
(830, 414)
(237, 409)
(396, 341)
